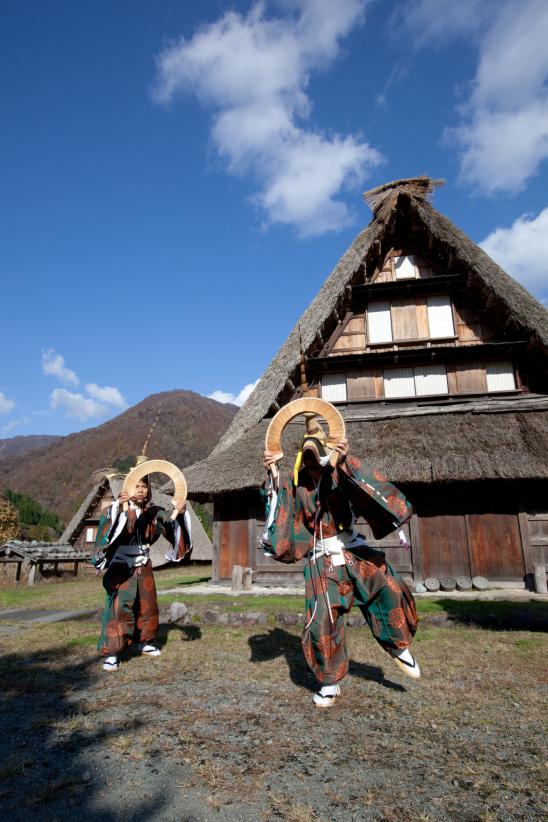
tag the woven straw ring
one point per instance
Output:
(158, 467)
(307, 406)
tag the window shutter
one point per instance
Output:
(500, 376)
(399, 382)
(440, 317)
(378, 320)
(405, 267)
(431, 379)
(334, 387)
(89, 535)
(404, 319)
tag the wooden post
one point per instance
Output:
(540, 579)
(416, 550)
(75, 571)
(247, 579)
(237, 578)
(32, 574)
(216, 546)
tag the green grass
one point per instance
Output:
(82, 641)
(86, 590)
(267, 604)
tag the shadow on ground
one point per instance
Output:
(47, 743)
(190, 633)
(277, 642)
(498, 615)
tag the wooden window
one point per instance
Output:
(431, 379)
(334, 387)
(470, 378)
(90, 534)
(440, 316)
(364, 384)
(500, 376)
(378, 320)
(405, 267)
(404, 319)
(399, 382)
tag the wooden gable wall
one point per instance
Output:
(410, 309)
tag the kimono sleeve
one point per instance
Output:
(99, 560)
(373, 497)
(178, 532)
(285, 537)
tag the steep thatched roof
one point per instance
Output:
(470, 442)
(401, 211)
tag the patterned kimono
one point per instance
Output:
(122, 546)
(317, 521)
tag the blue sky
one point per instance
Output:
(179, 178)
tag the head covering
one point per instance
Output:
(309, 443)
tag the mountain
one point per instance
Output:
(18, 447)
(58, 475)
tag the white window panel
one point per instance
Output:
(334, 387)
(500, 376)
(440, 317)
(405, 267)
(431, 379)
(378, 319)
(399, 382)
(89, 535)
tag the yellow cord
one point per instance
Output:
(297, 467)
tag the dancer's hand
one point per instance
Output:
(123, 497)
(269, 460)
(342, 450)
(180, 507)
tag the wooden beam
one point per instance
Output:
(416, 549)
(216, 548)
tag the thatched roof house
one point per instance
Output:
(82, 528)
(437, 360)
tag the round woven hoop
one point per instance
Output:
(304, 405)
(157, 467)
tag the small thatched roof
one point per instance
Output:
(465, 443)
(34, 551)
(402, 211)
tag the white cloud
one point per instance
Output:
(13, 424)
(108, 395)
(53, 364)
(6, 405)
(253, 72)
(503, 135)
(76, 405)
(438, 20)
(522, 250)
(235, 399)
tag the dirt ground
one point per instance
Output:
(222, 726)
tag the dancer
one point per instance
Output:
(122, 543)
(312, 515)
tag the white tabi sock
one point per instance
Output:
(328, 690)
(405, 656)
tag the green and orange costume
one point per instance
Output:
(122, 547)
(305, 519)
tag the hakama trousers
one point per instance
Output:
(131, 610)
(383, 597)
